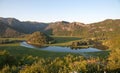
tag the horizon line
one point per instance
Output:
(61, 20)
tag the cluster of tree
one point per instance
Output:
(82, 44)
(114, 60)
(67, 64)
(6, 59)
(96, 43)
(7, 41)
(11, 64)
(100, 45)
(39, 38)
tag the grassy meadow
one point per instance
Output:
(63, 41)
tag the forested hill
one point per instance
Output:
(104, 28)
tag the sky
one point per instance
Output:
(85, 11)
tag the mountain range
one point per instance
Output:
(11, 27)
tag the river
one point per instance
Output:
(61, 49)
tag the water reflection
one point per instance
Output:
(61, 49)
(78, 48)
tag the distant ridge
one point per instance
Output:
(63, 28)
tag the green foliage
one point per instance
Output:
(37, 61)
(58, 65)
(66, 64)
(6, 58)
(114, 60)
(20, 51)
(28, 60)
(82, 43)
(64, 39)
(39, 38)
(37, 67)
(8, 69)
(113, 43)
(8, 41)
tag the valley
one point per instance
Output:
(59, 36)
(59, 46)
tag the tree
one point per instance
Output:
(114, 60)
(6, 58)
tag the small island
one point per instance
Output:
(39, 39)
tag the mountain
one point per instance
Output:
(24, 27)
(66, 28)
(7, 31)
(103, 29)
(106, 29)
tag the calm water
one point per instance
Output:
(61, 49)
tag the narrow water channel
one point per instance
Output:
(61, 49)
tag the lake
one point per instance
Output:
(61, 49)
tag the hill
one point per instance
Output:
(7, 31)
(38, 38)
(104, 29)
(24, 27)
(64, 28)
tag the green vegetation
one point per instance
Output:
(6, 58)
(66, 64)
(82, 44)
(63, 41)
(38, 38)
(114, 60)
(10, 41)
(17, 59)
(113, 43)
(100, 54)
(23, 51)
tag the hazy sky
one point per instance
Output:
(85, 11)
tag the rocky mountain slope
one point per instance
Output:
(24, 27)
(7, 31)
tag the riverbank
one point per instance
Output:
(57, 49)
